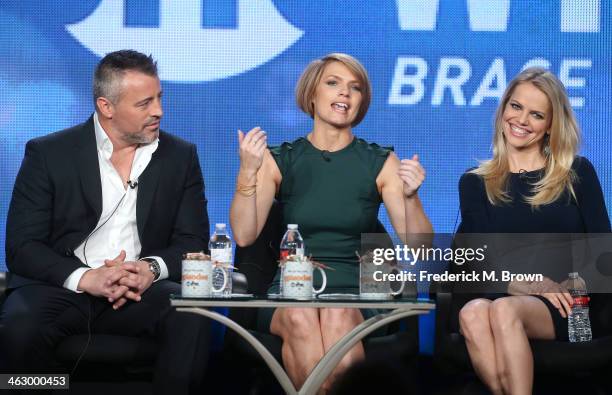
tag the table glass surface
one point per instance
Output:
(324, 300)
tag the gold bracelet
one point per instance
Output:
(246, 190)
(246, 194)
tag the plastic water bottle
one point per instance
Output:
(578, 322)
(291, 244)
(220, 246)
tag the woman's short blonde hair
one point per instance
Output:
(559, 148)
(307, 84)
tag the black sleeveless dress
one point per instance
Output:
(586, 214)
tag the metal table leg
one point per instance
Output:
(335, 354)
(272, 363)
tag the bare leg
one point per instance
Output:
(515, 320)
(302, 344)
(335, 323)
(476, 328)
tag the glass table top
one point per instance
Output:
(324, 300)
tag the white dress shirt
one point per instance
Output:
(116, 229)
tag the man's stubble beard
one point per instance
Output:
(141, 138)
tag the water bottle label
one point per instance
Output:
(286, 252)
(581, 300)
(221, 255)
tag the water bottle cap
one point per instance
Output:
(220, 226)
(292, 226)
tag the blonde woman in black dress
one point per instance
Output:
(534, 183)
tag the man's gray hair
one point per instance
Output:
(111, 69)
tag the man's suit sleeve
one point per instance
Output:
(191, 227)
(29, 223)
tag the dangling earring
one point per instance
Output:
(546, 149)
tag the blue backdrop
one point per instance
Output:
(438, 69)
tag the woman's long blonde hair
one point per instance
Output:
(559, 147)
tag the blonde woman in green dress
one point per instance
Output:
(331, 183)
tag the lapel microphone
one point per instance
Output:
(132, 184)
(325, 155)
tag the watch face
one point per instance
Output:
(154, 267)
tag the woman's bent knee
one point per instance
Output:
(341, 316)
(474, 318)
(504, 315)
(297, 322)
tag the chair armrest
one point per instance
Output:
(240, 285)
(3, 283)
(443, 310)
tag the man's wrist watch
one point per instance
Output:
(153, 267)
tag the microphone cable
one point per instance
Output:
(132, 185)
(106, 220)
(89, 314)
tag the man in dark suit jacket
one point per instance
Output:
(100, 216)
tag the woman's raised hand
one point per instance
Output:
(253, 146)
(412, 174)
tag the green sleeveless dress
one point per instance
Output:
(333, 198)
